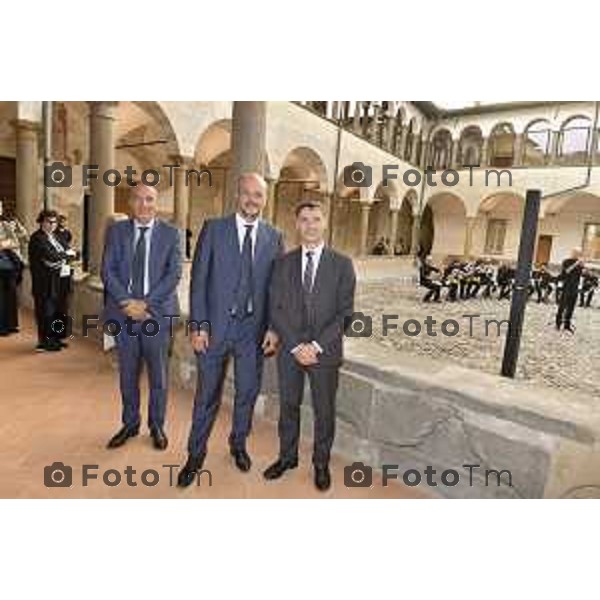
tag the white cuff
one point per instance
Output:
(317, 347)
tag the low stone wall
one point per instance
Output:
(390, 418)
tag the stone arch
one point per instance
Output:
(574, 140)
(501, 145)
(470, 146)
(537, 140)
(497, 225)
(303, 176)
(443, 225)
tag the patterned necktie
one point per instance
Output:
(307, 280)
(138, 268)
(245, 299)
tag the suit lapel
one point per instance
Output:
(233, 244)
(128, 249)
(155, 244)
(261, 243)
(297, 273)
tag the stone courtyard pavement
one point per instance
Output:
(548, 358)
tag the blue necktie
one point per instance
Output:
(138, 268)
(245, 301)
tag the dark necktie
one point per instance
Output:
(245, 301)
(307, 280)
(138, 269)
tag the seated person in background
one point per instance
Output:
(380, 247)
(504, 279)
(451, 281)
(589, 283)
(426, 279)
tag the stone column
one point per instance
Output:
(394, 228)
(454, 154)
(483, 155)
(28, 174)
(391, 133)
(414, 158)
(102, 153)
(181, 196)
(518, 150)
(181, 192)
(365, 209)
(415, 236)
(270, 209)
(469, 226)
(554, 147)
(356, 118)
(248, 147)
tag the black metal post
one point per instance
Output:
(522, 277)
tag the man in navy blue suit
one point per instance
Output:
(229, 302)
(141, 268)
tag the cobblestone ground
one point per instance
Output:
(550, 358)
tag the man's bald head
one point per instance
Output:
(252, 195)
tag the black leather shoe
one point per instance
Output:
(159, 439)
(187, 474)
(322, 478)
(242, 460)
(122, 436)
(277, 469)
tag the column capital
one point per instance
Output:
(26, 125)
(182, 161)
(104, 109)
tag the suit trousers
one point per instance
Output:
(137, 350)
(240, 343)
(9, 315)
(566, 307)
(323, 384)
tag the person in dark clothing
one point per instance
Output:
(65, 288)
(11, 271)
(570, 276)
(542, 284)
(588, 287)
(435, 287)
(46, 263)
(451, 281)
(504, 279)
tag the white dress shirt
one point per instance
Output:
(241, 231)
(148, 240)
(316, 257)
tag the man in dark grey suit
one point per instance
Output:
(141, 269)
(229, 305)
(312, 301)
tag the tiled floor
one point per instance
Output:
(65, 406)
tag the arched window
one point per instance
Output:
(471, 141)
(536, 141)
(502, 146)
(574, 141)
(441, 149)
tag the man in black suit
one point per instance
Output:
(312, 300)
(570, 276)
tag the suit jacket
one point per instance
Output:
(45, 280)
(164, 269)
(321, 316)
(216, 273)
